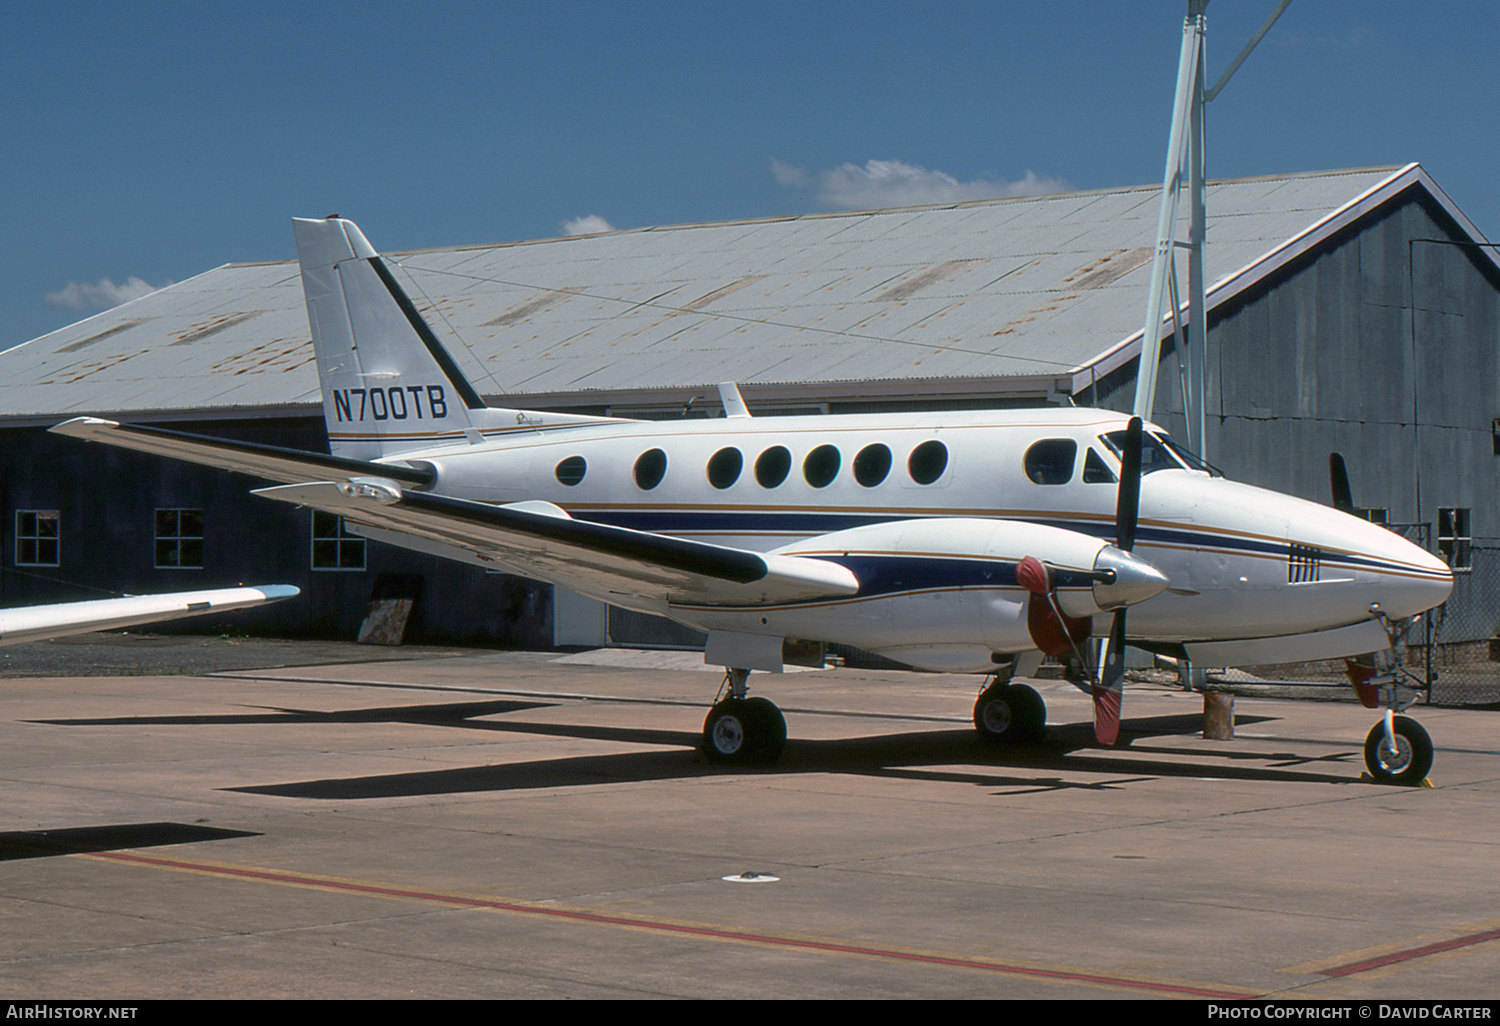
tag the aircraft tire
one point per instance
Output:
(1010, 713)
(744, 730)
(1411, 761)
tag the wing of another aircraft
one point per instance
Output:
(267, 461)
(38, 623)
(635, 569)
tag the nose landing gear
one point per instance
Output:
(1398, 749)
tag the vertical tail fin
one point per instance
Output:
(389, 386)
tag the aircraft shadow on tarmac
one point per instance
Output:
(957, 755)
(38, 844)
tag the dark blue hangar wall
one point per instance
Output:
(106, 500)
(1380, 344)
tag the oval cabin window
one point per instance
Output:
(724, 467)
(872, 464)
(821, 466)
(927, 462)
(650, 468)
(571, 470)
(772, 466)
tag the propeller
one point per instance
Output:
(1107, 690)
(1126, 580)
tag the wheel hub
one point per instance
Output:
(997, 716)
(728, 735)
(1395, 758)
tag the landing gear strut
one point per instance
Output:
(741, 730)
(1397, 749)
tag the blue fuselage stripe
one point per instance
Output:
(803, 524)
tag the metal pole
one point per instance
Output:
(1171, 187)
(1197, 297)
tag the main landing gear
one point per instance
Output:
(1009, 713)
(1398, 749)
(741, 730)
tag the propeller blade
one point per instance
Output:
(1128, 499)
(1108, 692)
(1338, 477)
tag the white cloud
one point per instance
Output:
(77, 296)
(894, 183)
(587, 225)
(786, 174)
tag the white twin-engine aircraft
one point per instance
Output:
(972, 542)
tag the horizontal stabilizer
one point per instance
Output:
(265, 461)
(38, 623)
(634, 569)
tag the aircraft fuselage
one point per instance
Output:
(864, 491)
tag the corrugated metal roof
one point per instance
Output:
(973, 296)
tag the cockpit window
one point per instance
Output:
(1050, 461)
(1154, 455)
(1192, 459)
(1095, 470)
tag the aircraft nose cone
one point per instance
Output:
(1432, 584)
(1135, 579)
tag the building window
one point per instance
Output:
(334, 546)
(179, 539)
(36, 537)
(1454, 537)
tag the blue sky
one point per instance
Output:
(148, 142)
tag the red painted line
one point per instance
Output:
(662, 927)
(1411, 953)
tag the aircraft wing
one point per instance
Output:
(635, 569)
(38, 623)
(267, 461)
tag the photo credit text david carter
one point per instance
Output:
(1358, 1010)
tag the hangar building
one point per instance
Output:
(1352, 310)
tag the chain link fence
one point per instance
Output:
(1463, 655)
